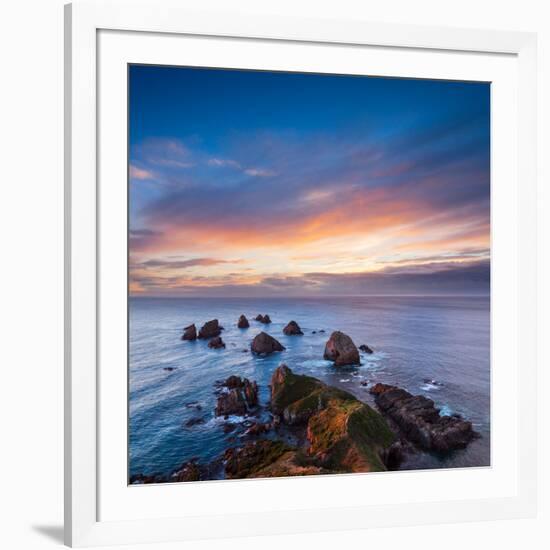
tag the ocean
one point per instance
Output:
(435, 346)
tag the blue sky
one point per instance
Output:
(263, 183)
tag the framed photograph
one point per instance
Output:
(300, 264)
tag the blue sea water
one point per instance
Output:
(434, 346)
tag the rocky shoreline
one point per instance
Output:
(308, 427)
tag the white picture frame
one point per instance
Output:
(86, 524)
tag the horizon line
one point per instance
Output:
(458, 295)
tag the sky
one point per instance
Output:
(260, 184)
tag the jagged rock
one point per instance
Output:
(263, 319)
(216, 343)
(233, 382)
(188, 471)
(365, 348)
(250, 390)
(421, 421)
(341, 349)
(242, 322)
(265, 344)
(292, 329)
(241, 397)
(210, 329)
(189, 333)
(231, 402)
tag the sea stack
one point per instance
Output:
(364, 348)
(216, 343)
(189, 333)
(293, 329)
(243, 322)
(265, 319)
(210, 329)
(341, 349)
(265, 344)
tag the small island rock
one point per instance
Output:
(263, 343)
(365, 348)
(189, 333)
(216, 343)
(243, 322)
(210, 329)
(265, 319)
(293, 329)
(341, 349)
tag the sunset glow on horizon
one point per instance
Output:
(263, 184)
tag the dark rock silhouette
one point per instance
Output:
(263, 343)
(194, 421)
(241, 397)
(420, 421)
(365, 348)
(341, 349)
(293, 329)
(243, 322)
(216, 343)
(231, 402)
(189, 333)
(210, 329)
(265, 319)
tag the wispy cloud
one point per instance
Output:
(140, 173)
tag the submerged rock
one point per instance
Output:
(341, 349)
(263, 343)
(194, 421)
(365, 348)
(168, 369)
(189, 333)
(293, 329)
(421, 421)
(216, 343)
(210, 329)
(242, 322)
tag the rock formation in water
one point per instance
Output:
(210, 329)
(343, 434)
(364, 348)
(265, 319)
(420, 421)
(264, 344)
(341, 349)
(189, 333)
(242, 322)
(216, 343)
(240, 397)
(293, 329)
